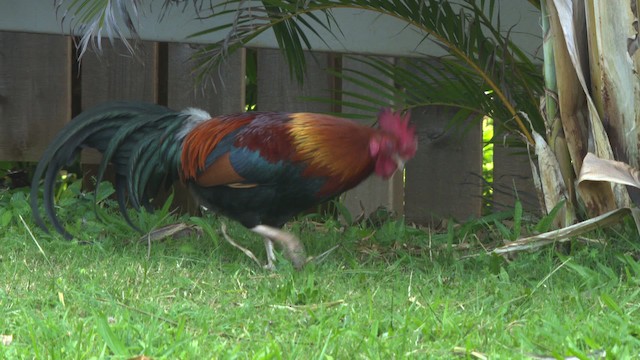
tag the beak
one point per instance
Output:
(399, 161)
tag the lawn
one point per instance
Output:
(388, 291)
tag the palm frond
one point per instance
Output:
(484, 72)
(96, 19)
(290, 23)
(479, 55)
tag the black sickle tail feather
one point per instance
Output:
(138, 139)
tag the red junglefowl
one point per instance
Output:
(258, 168)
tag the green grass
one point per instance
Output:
(373, 298)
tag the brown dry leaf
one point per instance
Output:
(172, 231)
(578, 108)
(598, 354)
(564, 234)
(614, 81)
(6, 340)
(460, 351)
(140, 357)
(596, 169)
(553, 186)
(596, 172)
(308, 307)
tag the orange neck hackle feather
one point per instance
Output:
(334, 148)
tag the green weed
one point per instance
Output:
(391, 291)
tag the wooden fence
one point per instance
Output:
(41, 88)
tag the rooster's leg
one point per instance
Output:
(246, 251)
(293, 249)
(271, 256)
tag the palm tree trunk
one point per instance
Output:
(597, 94)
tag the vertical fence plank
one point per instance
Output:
(35, 92)
(278, 91)
(225, 95)
(444, 179)
(373, 192)
(117, 75)
(512, 179)
(114, 74)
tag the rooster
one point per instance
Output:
(258, 168)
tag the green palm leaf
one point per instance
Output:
(483, 72)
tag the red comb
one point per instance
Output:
(397, 124)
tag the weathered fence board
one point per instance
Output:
(116, 75)
(225, 95)
(35, 92)
(38, 93)
(512, 178)
(444, 179)
(373, 192)
(278, 91)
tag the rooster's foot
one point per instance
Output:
(246, 251)
(271, 256)
(174, 231)
(291, 245)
